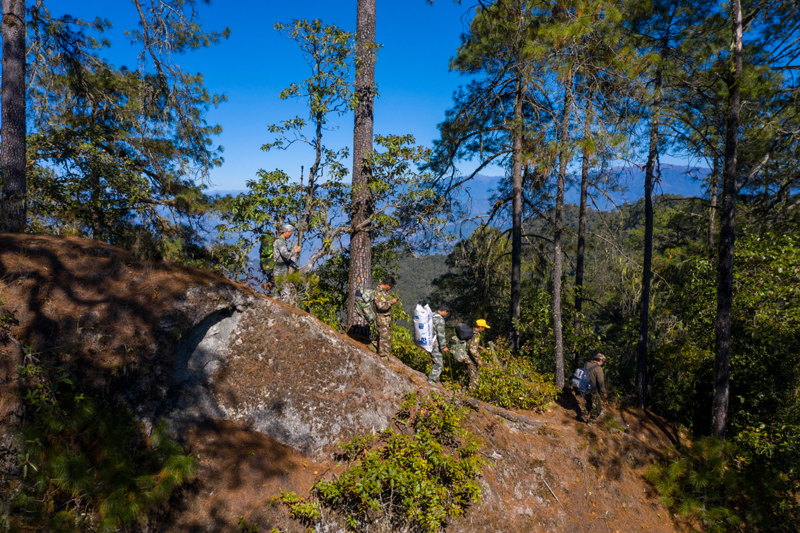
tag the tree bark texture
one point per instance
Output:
(712, 215)
(644, 316)
(563, 160)
(516, 220)
(722, 344)
(13, 133)
(581, 251)
(360, 238)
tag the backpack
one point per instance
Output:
(266, 250)
(423, 327)
(458, 349)
(464, 332)
(363, 304)
(581, 380)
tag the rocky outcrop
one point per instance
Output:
(262, 393)
(284, 374)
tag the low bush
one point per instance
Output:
(731, 485)
(512, 382)
(87, 465)
(414, 479)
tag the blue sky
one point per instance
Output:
(256, 63)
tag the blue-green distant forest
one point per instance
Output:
(645, 204)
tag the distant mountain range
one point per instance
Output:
(674, 179)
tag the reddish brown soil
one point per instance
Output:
(120, 318)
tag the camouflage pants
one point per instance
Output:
(594, 404)
(474, 372)
(384, 338)
(288, 293)
(436, 371)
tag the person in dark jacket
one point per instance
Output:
(597, 381)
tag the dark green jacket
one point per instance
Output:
(597, 378)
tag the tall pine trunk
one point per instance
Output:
(563, 160)
(644, 316)
(360, 238)
(516, 216)
(13, 132)
(712, 211)
(581, 251)
(722, 344)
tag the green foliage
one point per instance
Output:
(416, 479)
(513, 382)
(307, 512)
(115, 154)
(723, 484)
(405, 207)
(87, 465)
(246, 527)
(477, 281)
(702, 483)
(766, 319)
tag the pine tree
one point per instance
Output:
(362, 209)
(117, 154)
(722, 345)
(13, 194)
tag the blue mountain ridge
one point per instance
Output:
(674, 179)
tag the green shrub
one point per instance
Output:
(746, 484)
(702, 483)
(86, 464)
(414, 480)
(512, 382)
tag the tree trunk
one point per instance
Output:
(360, 238)
(644, 317)
(563, 160)
(516, 217)
(579, 262)
(722, 344)
(13, 132)
(310, 190)
(712, 215)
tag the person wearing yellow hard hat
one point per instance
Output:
(473, 356)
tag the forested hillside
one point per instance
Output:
(612, 182)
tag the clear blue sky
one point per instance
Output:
(256, 62)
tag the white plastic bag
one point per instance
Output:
(423, 327)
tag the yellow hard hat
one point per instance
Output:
(481, 323)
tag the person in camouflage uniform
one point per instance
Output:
(473, 353)
(439, 343)
(285, 263)
(383, 316)
(597, 382)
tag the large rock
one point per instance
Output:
(284, 374)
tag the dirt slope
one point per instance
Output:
(262, 393)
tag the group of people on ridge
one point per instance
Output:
(380, 303)
(376, 305)
(472, 347)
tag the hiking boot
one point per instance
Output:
(433, 383)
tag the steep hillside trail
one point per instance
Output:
(262, 394)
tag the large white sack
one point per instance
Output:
(423, 327)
